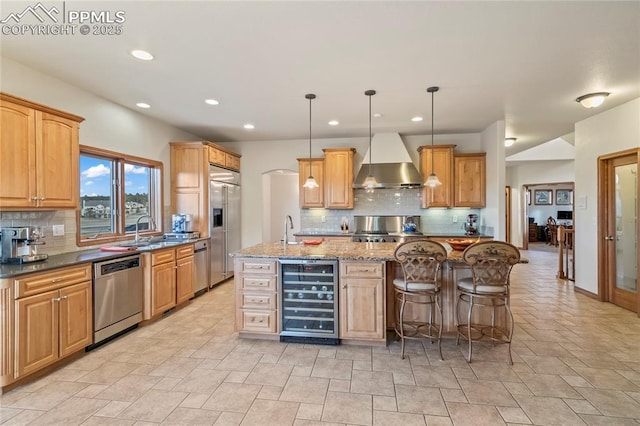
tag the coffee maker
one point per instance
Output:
(20, 245)
(471, 225)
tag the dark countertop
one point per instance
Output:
(77, 257)
(426, 235)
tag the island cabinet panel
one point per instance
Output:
(338, 178)
(311, 197)
(7, 329)
(440, 196)
(40, 156)
(362, 301)
(470, 180)
(256, 282)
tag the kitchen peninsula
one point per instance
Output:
(365, 289)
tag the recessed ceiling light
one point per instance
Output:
(143, 105)
(377, 115)
(417, 118)
(592, 100)
(334, 123)
(143, 55)
(509, 141)
(249, 126)
(211, 102)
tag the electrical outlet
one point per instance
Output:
(323, 219)
(58, 230)
(454, 219)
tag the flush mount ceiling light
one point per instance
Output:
(310, 182)
(249, 126)
(143, 55)
(334, 123)
(432, 181)
(211, 102)
(370, 182)
(509, 141)
(417, 118)
(143, 105)
(592, 100)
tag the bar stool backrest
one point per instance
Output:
(421, 260)
(491, 262)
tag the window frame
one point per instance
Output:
(156, 196)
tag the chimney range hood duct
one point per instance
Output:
(390, 164)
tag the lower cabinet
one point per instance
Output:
(362, 301)
(53, 317)
(170, 281)
(256, 282)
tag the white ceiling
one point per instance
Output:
(522, 62)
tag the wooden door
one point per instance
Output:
(361, 308)
(184, 279)
(618, 229)
(18, 159)
(469, 180)
(163, 288)
(36, 332)
(311, 197)
(76, 318)
(338, 179)
(440, 196)
(57, 158)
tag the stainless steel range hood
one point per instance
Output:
(391, 164)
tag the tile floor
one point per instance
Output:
(576, 361)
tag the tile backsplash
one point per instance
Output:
(390, 202)
(46, 220)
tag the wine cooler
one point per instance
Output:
(309, 301)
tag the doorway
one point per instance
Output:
(618, 229)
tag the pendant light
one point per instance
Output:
(432, 181)
(310, 182)
(370, 182)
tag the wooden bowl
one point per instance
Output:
(460, 243)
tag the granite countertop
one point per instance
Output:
(328, 250)
(426, 235)
(77, 257)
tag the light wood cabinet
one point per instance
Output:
(470, 180)
(170, 280)
(338, 177)
(40, 156)
(311, 197)
(362, 308)
(256, 296)
(440, 196)
(7, 329)
(53, 323)
(190, 179)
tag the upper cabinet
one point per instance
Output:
(440, 196)
(190, 179)
(311, 197)
(338, 177)
(470, 180)
(40, 156)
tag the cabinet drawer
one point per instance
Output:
(257, 301)
(258, 267)
(258, 283)
(38, 283)
(163, 256)
(362, 269)
(184, 251)
(258, 321)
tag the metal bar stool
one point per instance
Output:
(421, 261)
(491, 263)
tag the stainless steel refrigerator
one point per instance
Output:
(224, 227)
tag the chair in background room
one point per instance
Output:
(551, 231)
(421, 261)
(491, 263)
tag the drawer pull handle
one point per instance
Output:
(55, 299)
(254, 319)
(57, 280)
(63, 297)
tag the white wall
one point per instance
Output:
(280, 190)
(611, 131)
(531, 173)
(494, 213)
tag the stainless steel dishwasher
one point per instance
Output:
(117, 296)
(201, 259)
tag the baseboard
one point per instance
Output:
(586, 293)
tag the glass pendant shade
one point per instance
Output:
(310, 183)
(432, 181)
(370, 182)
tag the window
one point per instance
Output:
(117, 193)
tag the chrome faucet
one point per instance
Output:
(137, 239)
(286, 230)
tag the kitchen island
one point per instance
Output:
(365, 298)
